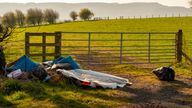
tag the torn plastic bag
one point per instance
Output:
(65, 66)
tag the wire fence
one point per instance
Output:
(143, 16)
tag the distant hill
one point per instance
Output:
(112, 10)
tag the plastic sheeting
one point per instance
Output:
(94, 79)
(69, 60)
(25, 64)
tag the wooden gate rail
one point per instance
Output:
(57, 44)
(187, 57)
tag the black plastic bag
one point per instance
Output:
(165, 73)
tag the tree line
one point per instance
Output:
(84, 14)
(34, 16)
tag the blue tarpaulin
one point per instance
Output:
(25, 64)
(69, 60)
(56, 61)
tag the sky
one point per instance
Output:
(164, 2)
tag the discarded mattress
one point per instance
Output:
(25, 64)
(94, 79)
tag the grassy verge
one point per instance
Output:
(35, 94)
(62, 94)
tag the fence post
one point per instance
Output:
(121, 49)
(44, 47)
(149, 48)
(27, 48)
(179, 45)
(89, 47)
(57, 44)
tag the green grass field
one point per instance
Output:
(16, 49)
(36, 94)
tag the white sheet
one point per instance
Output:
(96, 78)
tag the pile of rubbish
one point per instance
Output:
(62, 68)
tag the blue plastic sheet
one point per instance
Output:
(25, 64)
(69, 60)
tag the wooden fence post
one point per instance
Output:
(121, 48)
(44, 47)
(149, 48)
(179, 45)
(58, 36)
(27, 44)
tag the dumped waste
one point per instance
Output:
(165, 73)
(64, 68)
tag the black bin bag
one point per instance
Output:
(165, 73)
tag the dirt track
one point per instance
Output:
(149, 92)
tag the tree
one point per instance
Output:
(20, 18)
(31, 16)
(73, 15)
(85, 14)
(50, 16)
(9, 19)
(39, 16)
(5, 33)
(34, 16)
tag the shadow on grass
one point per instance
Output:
(91, 97)
(61, 102)
(168, 93)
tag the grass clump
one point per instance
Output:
(33, 88)
(183, 69)
(18, 89)
(19, 95)
(4, 102)
(10, 86)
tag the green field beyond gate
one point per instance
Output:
(162, 43)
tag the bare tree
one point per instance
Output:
(73, 15)
(50, 16)
(31, 16)
(9, 19)
(5, 34)
(85, 14)
(20, 18)
(39, 16)
(34, 16)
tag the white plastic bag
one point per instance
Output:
(15, 74)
